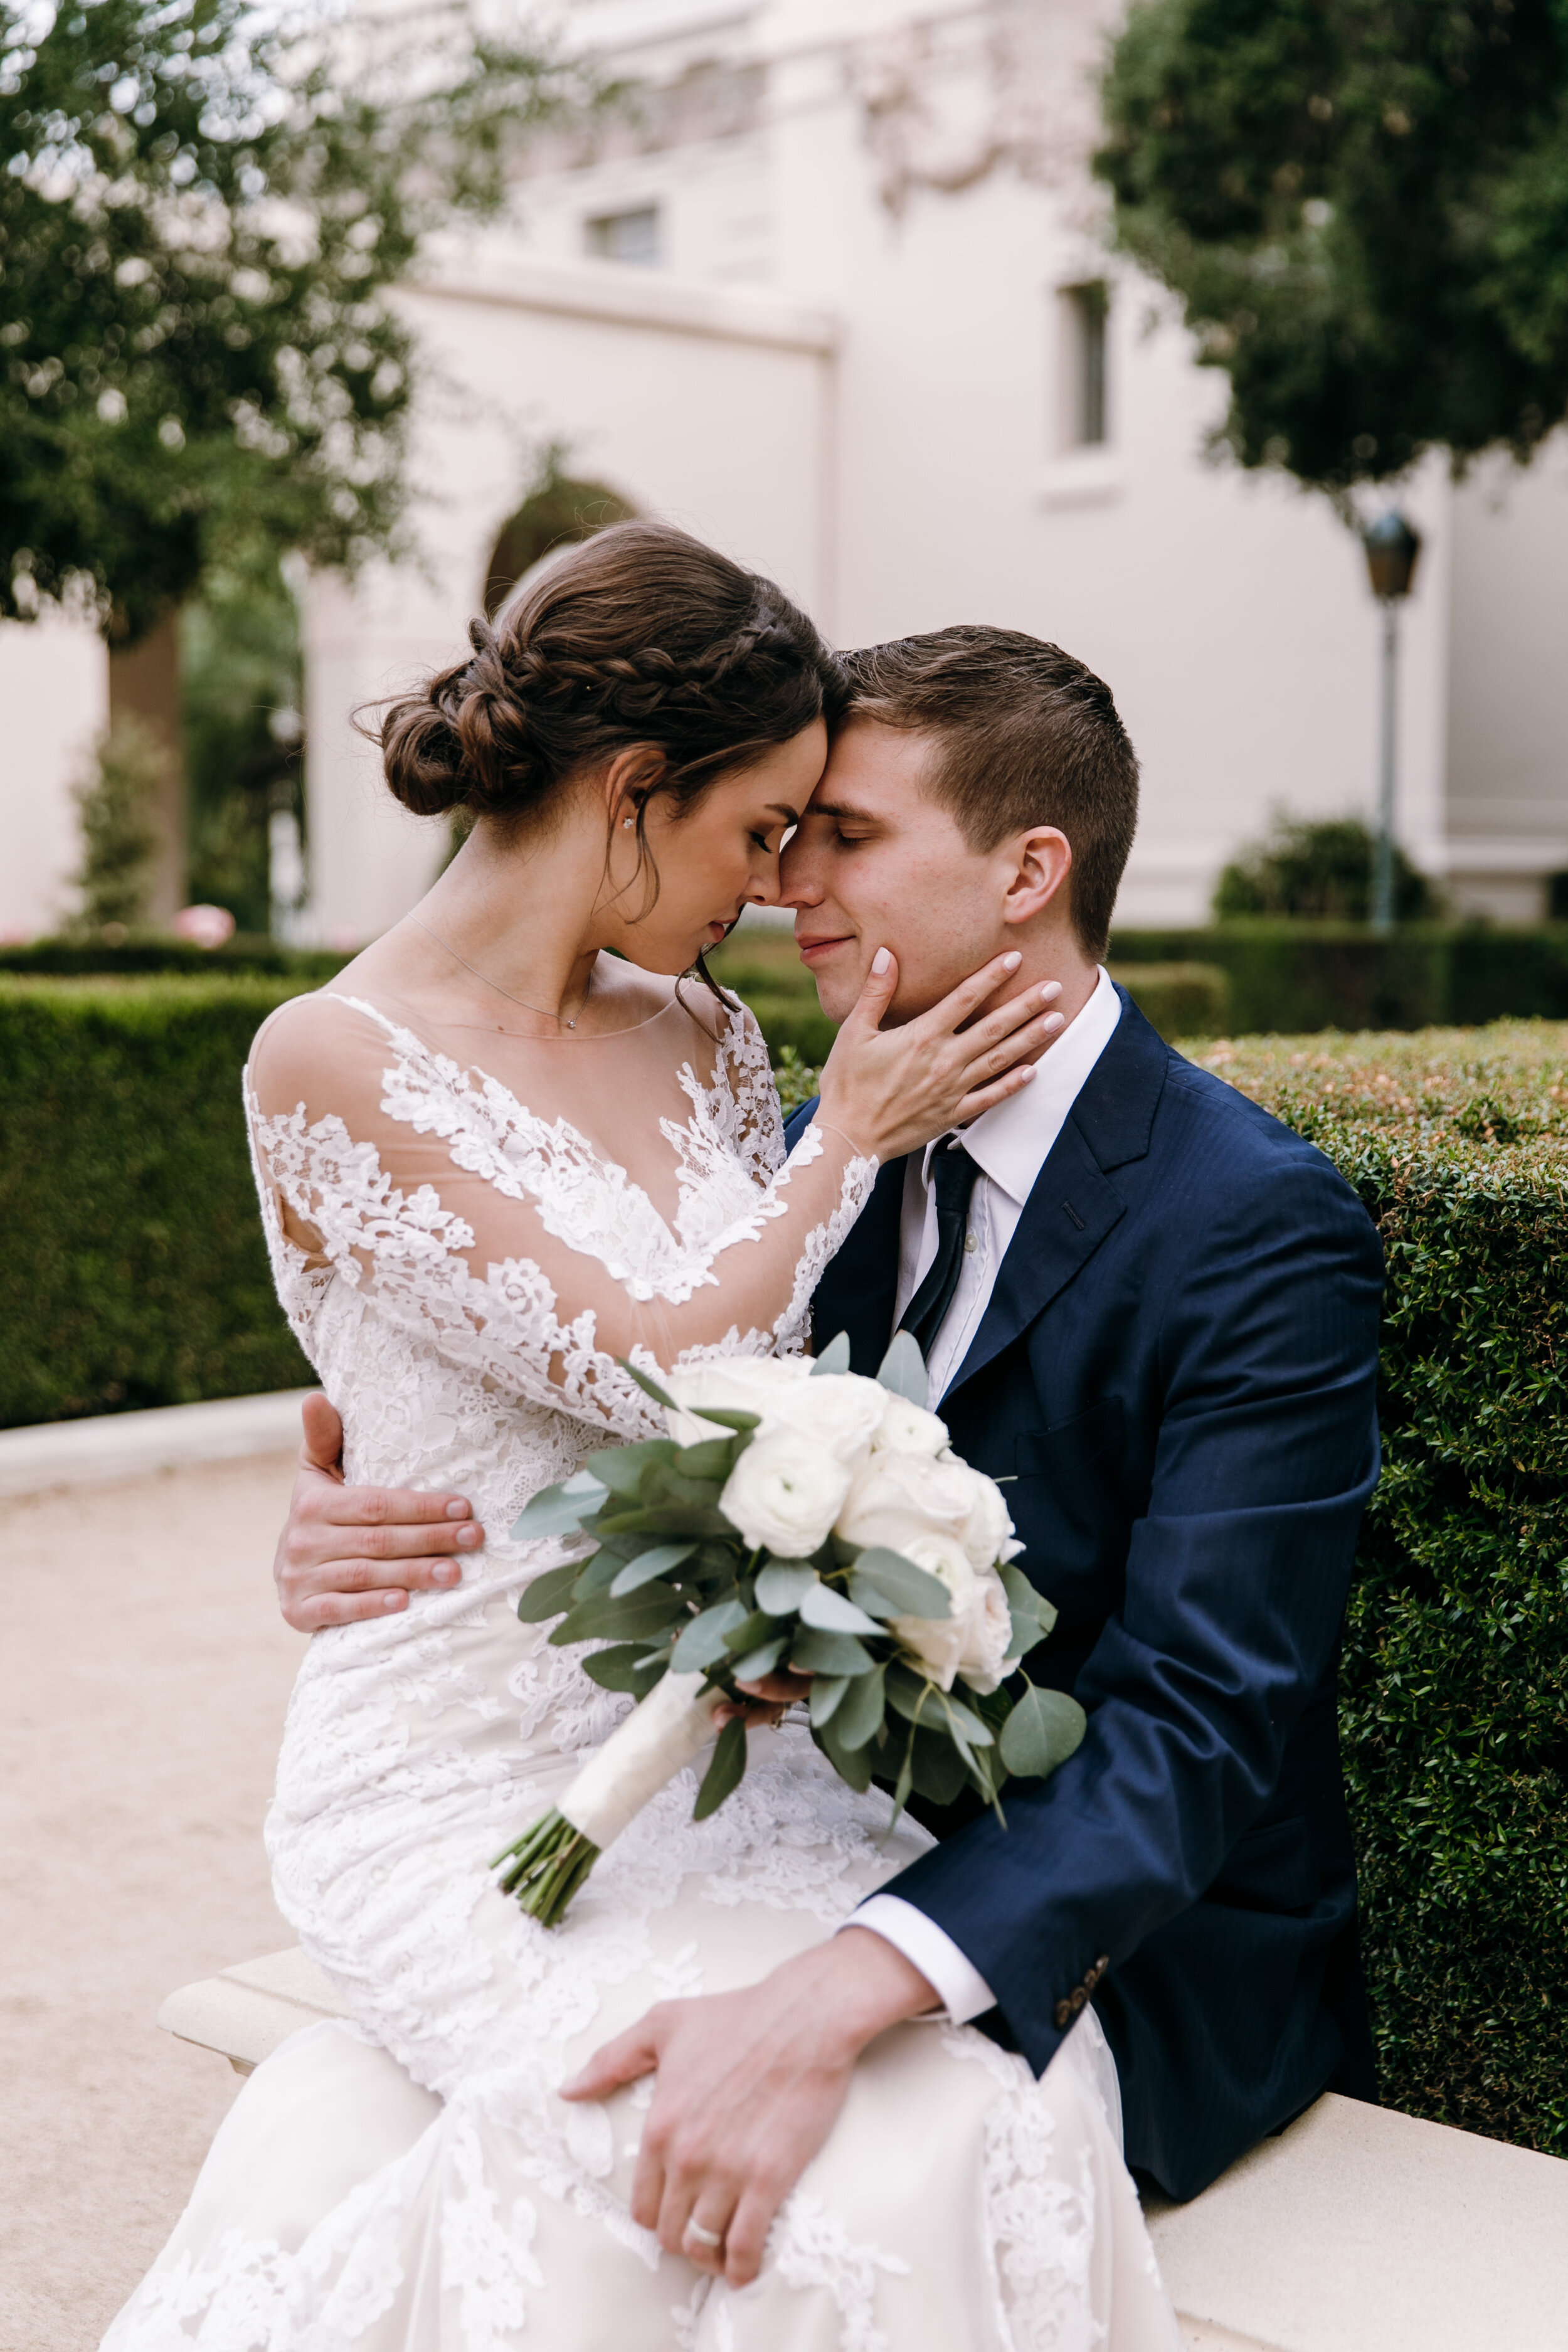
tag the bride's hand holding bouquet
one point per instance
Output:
(797, 1521)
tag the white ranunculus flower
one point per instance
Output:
(756, 1384)
(908, 1428)
(785, 1493)
(837, 1410)
(912, 1491)
(988, 1530)
(987, 1634)
(937, 1644)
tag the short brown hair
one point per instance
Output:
(1027, 736)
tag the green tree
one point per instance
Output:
(1319, 868)
(241, 692)
(119, 838)
(1362, 208)
(200, 213)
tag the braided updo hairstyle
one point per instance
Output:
(640, 638)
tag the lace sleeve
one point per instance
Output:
(511, 1242)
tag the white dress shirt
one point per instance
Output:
(1010, 1145)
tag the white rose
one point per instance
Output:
(837, 1410)
(910, 1492)
(988, 1530)
(785, 1493)
(737, 1383)
(987, 1634)
(937, 1644)
(908, 1428)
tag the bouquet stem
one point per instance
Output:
(547, 1865)
(666, 1732)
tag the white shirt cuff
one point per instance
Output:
(952, 1975)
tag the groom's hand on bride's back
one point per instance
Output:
(359, 1551)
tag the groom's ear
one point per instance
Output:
(1039, 864)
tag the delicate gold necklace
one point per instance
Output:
(559, 1018)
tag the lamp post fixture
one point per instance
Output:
(1392, 546)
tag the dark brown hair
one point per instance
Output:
(1025, 736)
(639, 637)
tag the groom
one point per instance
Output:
(1154, 1310)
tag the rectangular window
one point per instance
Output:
(1081, 313)
(627, 237)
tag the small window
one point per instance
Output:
(627, 237)
(1082, 311)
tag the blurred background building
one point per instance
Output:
(830, 288)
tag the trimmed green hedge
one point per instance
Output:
(148, 953)
(1291, 976)
(135, 1271)
(1455, 1713)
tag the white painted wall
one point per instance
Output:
(707, 405)
(54, 703)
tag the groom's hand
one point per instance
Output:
(749, 2085)
(359, 1551)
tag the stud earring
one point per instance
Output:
(626, 822)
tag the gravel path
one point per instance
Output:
(146, 1671)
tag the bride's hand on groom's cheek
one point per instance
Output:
(359, 1551)
(750, 2086)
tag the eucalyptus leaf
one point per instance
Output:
(752, 1631)
(828, 1654)
(783, 1584)
(604, 1618)
(657, 1561)
(938, 1769)
(1042, 1732)
(649, 1388)
(831, 1612)
(743, 1424)
(1025, 1601)
(964, 1722)
(914, 1592)
(826, 1691)
(599, 1574)
(627, 1667)
(549, 1594)
(758, 1663)
(725, 1773)
(851, 1764)
(559, 1510)
(702, 1642)
(859, 1717)
(914, 1698)
(714, 1458)
(620, 1467)
(834, 1359)
(903, 1369)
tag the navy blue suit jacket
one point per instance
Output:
(1178, 1368)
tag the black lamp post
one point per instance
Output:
(1391, 547)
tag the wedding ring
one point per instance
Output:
(712, 2239)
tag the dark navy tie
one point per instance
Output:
(953, 1175)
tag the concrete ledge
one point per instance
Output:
(1360, 2229)
(243, 2012)
(135, 1445)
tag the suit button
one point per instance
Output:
(1077, 2002)
(1064, 2014)
(1101, 1965)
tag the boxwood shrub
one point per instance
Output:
(133, 1272)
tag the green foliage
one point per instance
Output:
(202, 208)
(558, 509)
(1362, 208)
(1320, 869)
(134, 1272)
(1455, 1709)
(119, 836)
(241, 693)
(1291, 975)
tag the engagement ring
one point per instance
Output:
(701, 2237)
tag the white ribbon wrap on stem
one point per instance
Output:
(657, 1740)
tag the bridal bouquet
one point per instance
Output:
(797, 1516)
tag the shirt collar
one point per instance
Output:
(1010, 1143)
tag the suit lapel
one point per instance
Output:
(1073, 1204)
(859, 1288)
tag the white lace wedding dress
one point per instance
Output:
(467, 1228)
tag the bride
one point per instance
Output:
(503, 1149)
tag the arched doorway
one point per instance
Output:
(563, 508)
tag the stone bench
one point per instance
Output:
(1359, 2229)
